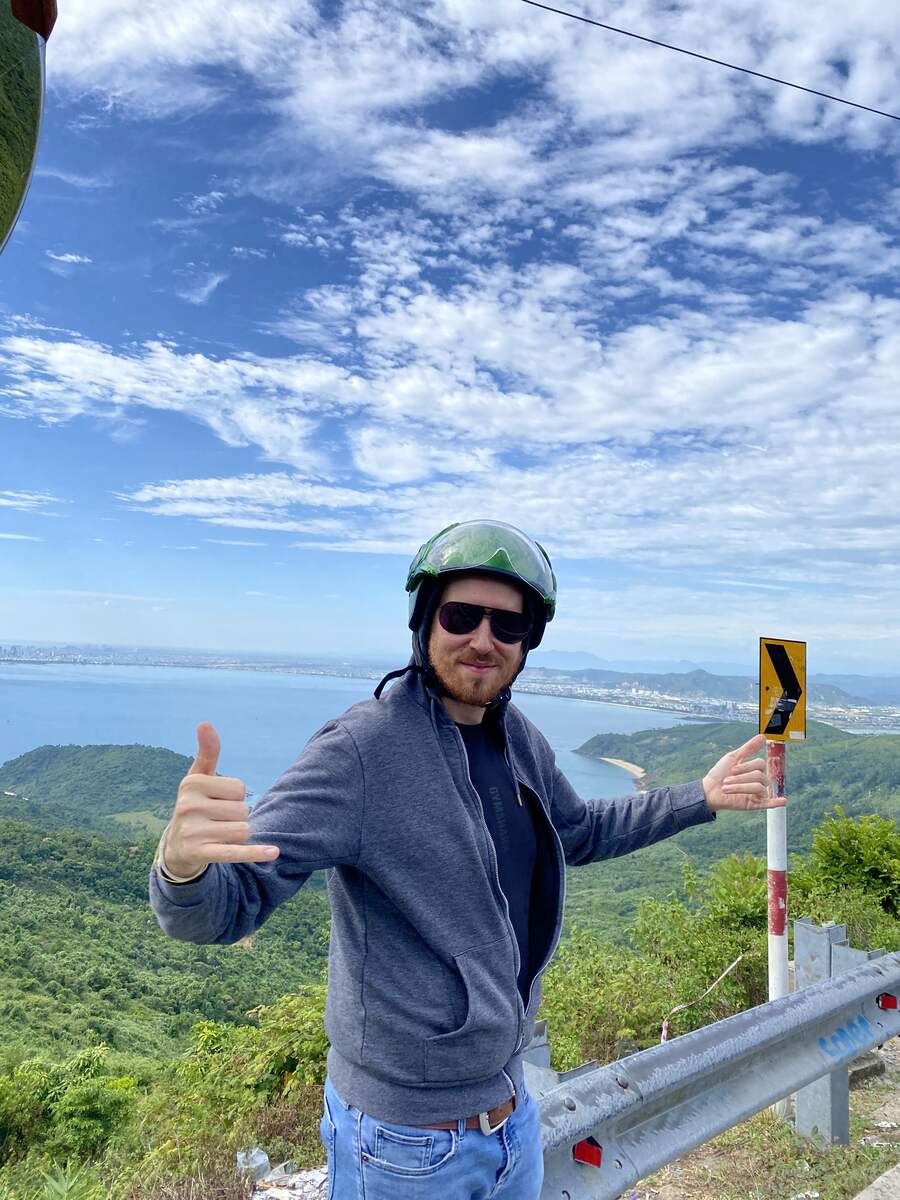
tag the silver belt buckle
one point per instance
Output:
(484, 1123)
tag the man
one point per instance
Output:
(445, 826)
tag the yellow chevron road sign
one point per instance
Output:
(782, 690)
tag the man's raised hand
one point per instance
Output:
(210, 819)
(738, 781)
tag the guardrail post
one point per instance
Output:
(822, 1109)
(845, 958)
(538, 1049)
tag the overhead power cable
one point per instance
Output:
(706, 58)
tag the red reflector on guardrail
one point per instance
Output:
(589, 1151)
(886, 1000)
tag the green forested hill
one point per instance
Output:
(832, 767)
(82, 958)
(862, 774)
(116, 790)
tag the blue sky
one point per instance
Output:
(298, 284)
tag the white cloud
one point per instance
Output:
(27, 501)
(142, 62)
(444, 164)
(20, 537)
(242, 400)
(206, 203)
(103, 597)
(386, 455)
(68, 258)
(629, 618)
(665, 444)
(65, 264)
(201, 286)
(610, 101)
(74, 179)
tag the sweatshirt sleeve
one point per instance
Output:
(594, 829)
(313, 813)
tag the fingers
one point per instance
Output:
(214, 787)
(748, 801)
(227, 831)
(208, 749)
(234, 852)
(748, 748)
(213, 810)
(739, 769)
(203, 840)
(753, 779)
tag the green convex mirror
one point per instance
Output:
(24, 28)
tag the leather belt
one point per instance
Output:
(488, 1122)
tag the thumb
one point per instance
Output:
(208, 748)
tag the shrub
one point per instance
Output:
(216, 1099)
(735, 892)
(863, 854)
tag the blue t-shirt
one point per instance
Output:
(511, 826)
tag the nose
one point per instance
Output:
(482, 639)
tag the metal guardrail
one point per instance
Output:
(650, 1108)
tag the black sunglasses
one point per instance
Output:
(506, 626)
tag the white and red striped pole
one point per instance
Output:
(776, 847)
(776, 854)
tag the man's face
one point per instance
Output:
(474, 667)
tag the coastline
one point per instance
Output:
(631, 768)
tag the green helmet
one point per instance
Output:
(491, 548)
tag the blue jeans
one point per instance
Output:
(371, 1159)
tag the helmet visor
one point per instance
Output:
(491, 546)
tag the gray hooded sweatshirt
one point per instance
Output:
(424, 1016)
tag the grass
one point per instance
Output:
(763, 1159)
(140, 821)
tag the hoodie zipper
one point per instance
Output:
(562, 875)
(520, 1010)
(561, 861)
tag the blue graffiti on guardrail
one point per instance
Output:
(856, 1035)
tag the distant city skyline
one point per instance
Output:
(297, 287)
(566, 660)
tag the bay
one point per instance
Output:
(264, 719)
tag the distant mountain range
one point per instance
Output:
(577, 660)
(875, 689)
(688, 685)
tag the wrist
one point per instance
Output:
(707, 785)
(173, 869)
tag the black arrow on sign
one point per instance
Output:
(791, 690)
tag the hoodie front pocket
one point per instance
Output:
(486, 1040)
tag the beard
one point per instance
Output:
(465, 688)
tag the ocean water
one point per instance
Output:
(263, 719)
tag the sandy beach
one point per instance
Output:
(632, 768)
